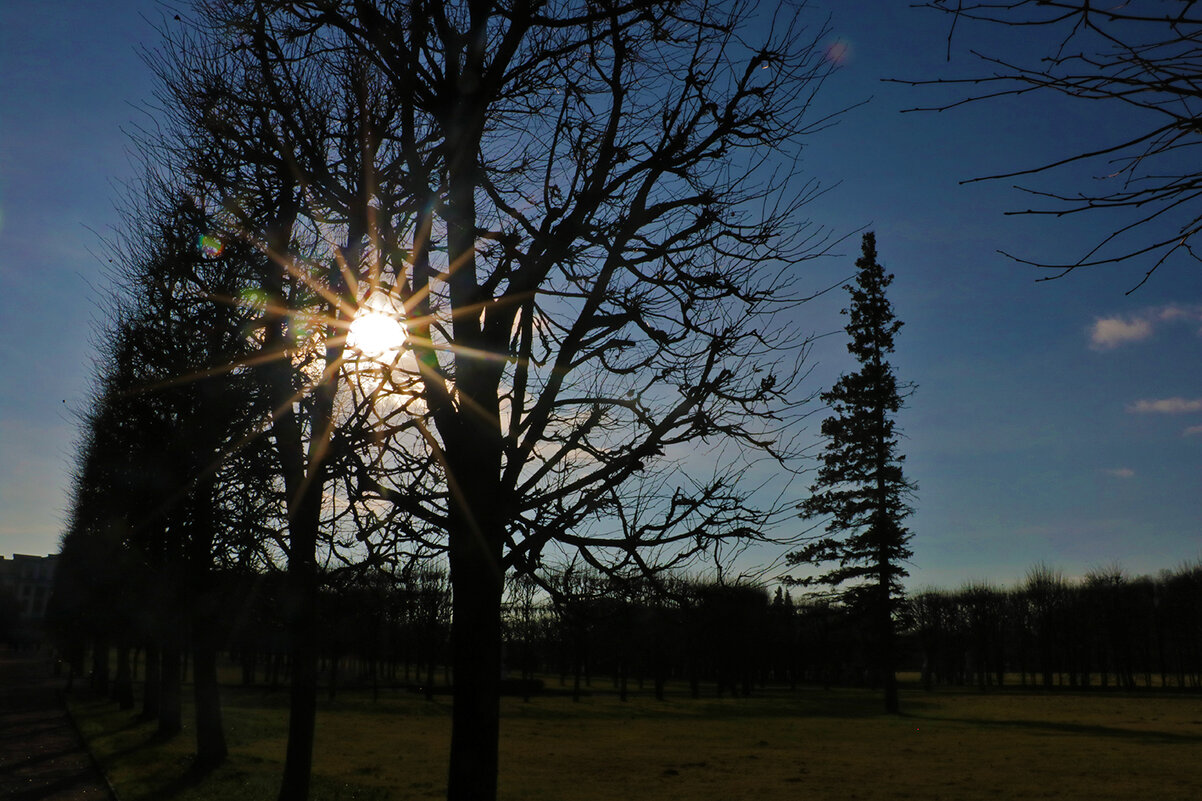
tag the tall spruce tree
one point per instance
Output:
(860, 485)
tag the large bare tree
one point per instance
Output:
(590, 217)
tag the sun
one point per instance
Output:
(377, 333)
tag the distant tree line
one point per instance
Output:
(1105, 630)
(379, 629)
(694, 636)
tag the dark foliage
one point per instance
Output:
(860, 489)
(1107, 630)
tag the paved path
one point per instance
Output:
(41, 755)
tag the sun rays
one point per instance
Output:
(376, 331)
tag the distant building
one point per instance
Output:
(29, 579)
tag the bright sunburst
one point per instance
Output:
(376, 332)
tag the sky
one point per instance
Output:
(1055, 422)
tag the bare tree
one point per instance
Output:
(603, 233)
(589, 216)
(278, 153)
(1139, 58)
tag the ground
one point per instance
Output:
(778, 744)
(42, 757)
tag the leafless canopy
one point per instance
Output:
(589, 216)
(1144, 59)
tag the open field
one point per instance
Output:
(809, 744)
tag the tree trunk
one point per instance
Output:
(577, 671)
(249, 664)
(170, 693)
(477, 584)
(888, 661)
(302, 709)
(211, 749)
(151, 688)
(123, 682)
(100, 666)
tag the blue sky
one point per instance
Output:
(1052, 421)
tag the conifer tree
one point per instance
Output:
(860, 485)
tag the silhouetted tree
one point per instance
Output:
(525, 618)
(860, 484)
(1044, 596)
(204, 408)
(99, 585)
(1140, 59)
(285, 155)
(168, 467)
(588, 214)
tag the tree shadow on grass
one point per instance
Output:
(1081, 729)
(27, 762)
(194, 775)
(78, 782)
(149, 741)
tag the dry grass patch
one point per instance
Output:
(809, 744)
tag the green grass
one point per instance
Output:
(807, 744)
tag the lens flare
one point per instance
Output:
(838, 52)
(301, 327)
(253, 298)
(210, 246)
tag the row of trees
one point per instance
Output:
(172, 542)
(171, 487)
(588, 217)
(1104, 630)
(703, 637)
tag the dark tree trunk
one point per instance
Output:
(887, 643)
(75, 659)
(170, 693)
(151, 688)
(476, 530)
(204, 608)
(889, 679)
(274, 667)
(100, 666)
(577, 670)
(123, 682)
(211, 749)
(249, 664)
(476, 660)
(302, 714)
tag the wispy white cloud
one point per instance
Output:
(1108, 333)
(1177, 312)
(1120, 472)
(1166, 406)
(1189, 432)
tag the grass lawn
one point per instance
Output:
(808, 744)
